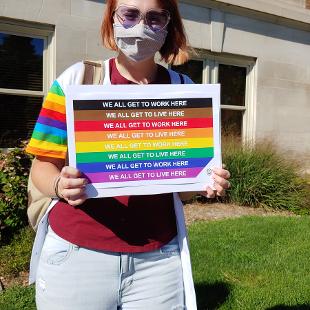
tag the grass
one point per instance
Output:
(249, 263)
(14, 258)
(252, 263)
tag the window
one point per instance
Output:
(193, 69)
(24, 76)
(236, 76)
(233, 84)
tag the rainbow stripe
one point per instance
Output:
(49, 137)
(161, 174)
(117, 145)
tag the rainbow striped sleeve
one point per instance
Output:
(49, 136)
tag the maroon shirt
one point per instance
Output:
(144, 224)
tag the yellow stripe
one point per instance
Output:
(139, 145)
(56, 98)
(47, 146)
(54, 106)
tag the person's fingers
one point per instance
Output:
(221, 172)
(209, 193)
(73, 194)
(67, 183)
(220, 185)
(220, 191)
(78, 201)
(70, 172)
(221, 181)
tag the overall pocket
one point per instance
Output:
(55, 250)
(171, 249)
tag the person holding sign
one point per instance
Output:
(116, 252)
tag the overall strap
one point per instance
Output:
(176, 78)
(181, 78)
(94, 72)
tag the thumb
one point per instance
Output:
(70, 172)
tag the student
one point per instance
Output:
(118, 252)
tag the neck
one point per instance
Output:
(141, 72)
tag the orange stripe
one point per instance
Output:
(95, 136)
(54, 106)
(39, 152)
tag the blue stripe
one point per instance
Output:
(50, 130)
(143, 165)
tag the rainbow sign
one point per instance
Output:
(141, 141)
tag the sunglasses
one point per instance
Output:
(129, 16)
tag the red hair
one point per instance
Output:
(174, 51)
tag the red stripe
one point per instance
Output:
(53, 115)
(138, 125)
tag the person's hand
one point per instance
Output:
(71, 186)
(221, 183)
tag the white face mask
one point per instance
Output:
(139, 42)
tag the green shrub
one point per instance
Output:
(17, 298)
(14, 170)
(261, 176)
(15, 257)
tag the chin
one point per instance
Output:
(142, 60)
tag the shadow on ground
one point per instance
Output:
(211, 296)
(283, 307)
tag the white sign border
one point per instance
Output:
(160, 92)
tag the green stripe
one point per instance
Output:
(128, 156)
(49, 138)
(56, 89)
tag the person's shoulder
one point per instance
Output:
(176, 77)
(73, 75)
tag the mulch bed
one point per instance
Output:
(217, 211)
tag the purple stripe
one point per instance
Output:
(106, 177)
(51, 122)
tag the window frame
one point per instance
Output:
(33, 30)
(211, 62)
